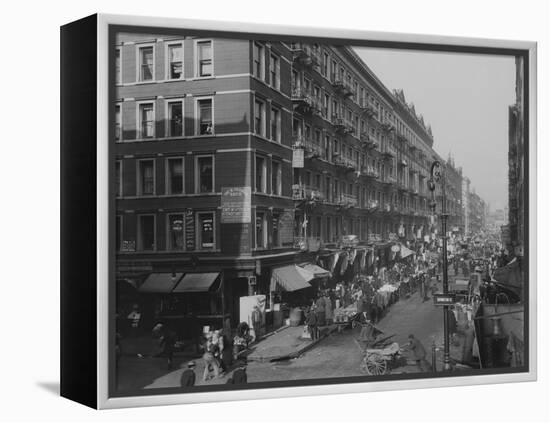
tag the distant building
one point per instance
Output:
(476, 213)
(454, 195)
(466, 204)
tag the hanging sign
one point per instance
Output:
(298, 158)
(189, 230)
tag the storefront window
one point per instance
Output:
(206, 230)
(176, 232)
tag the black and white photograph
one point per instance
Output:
(275, 211)
(297, 211)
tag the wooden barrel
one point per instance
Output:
(295, 316)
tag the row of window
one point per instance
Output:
(145, 239)
(146, 118)
(265, 170)
(363, 96)
(329, 148)
(146, 61)
(204, 176)
(333, 188)
(203, 122)
(266, 65)
(204, 233)
(204, 236)
(333, 108)
(330, 228)
(269, 72)
(174, 177)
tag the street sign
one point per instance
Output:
(444, 299)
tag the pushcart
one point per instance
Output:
(380, 353)
(380, 361)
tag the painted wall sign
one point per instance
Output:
(236, 205)
(286, 228)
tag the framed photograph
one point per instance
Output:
(266, 211)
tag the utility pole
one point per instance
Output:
(438, 176)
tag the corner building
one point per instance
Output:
(236, 157)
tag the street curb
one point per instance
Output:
(298, 352)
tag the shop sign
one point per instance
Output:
(298, 158)
(444, 299)
(189, 230)
(236, 205)
(128, 246)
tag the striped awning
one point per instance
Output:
(196, 282)
(160, 283)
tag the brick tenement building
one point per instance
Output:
(516, 167)
(209, 138)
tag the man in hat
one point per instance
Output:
(188, 376)
(419, 353)
(167, 339)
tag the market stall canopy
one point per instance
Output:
(160, 283)
(406, 252)
(290, 278)
(317, 271)
(196, 282)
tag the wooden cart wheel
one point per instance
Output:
(373, 364)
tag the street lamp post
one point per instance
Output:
(437, 175)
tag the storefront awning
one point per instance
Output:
(196, 282)
(510, 274)
(290, 278)
(160, 283)
(317, 271)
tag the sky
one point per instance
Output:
(465, 98)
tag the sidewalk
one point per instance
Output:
(285, 343)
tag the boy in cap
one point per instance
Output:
(239, 375)
(188, 376)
